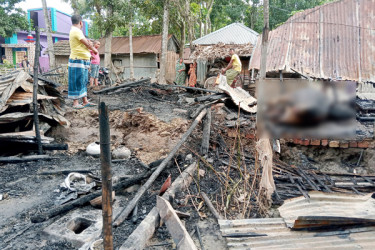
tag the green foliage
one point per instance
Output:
(12, 19)
(281, 10)
(147, 15)
(225, 12)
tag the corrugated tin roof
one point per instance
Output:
(235, 33)
(141, 44)
(276, 235)
(120, 45)
(328, 204)
(335, 40)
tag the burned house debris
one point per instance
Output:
(156, 166)
(16, 111)
(212, 51)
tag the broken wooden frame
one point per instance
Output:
(292, 181)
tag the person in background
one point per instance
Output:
(26, 64)
(5, 60)
(95, 63)
(180, 72)
(79, 62)
(234, 67)
(192, 74)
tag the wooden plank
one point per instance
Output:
(14, 159)
(8, 92)
(139, 237)
(179, 234)
(309, 181)
(299, 187)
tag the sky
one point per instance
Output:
(58, 4)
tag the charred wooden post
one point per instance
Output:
(210, 97)
(62, 146)
(124, 85)
(199, 237)
(86, 199)
(15, 159)
(135, 214)
(211, 206)
(105, 159)
(195, 89)
(206, 133)
(127, 210)
(35, 92)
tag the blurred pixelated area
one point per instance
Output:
(290, 108)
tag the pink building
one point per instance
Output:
(15, 47)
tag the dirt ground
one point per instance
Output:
(149, 122)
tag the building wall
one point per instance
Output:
(61, 22)
(170, 73)
(9, 54)
(15, 54)
(172, 46)
(145, 65)
(64, 22)
(61, 60)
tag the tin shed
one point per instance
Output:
(147, 53)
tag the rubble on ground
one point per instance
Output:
(185, 166)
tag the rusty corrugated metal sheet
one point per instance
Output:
(328, 204)
(335, 40)
(275, 233)
(141, 44)
(272, 233)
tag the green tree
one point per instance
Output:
(12, 19)
(281, 10)
(225, 12)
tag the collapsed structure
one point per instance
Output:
(181, 186)
(211, 51)
(16, 111)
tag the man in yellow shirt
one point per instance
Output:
(79, 63)
(234, 67)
